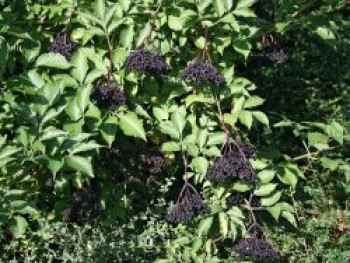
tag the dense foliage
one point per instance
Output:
(174, 131)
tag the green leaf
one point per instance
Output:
(83, 147)
(100, 8)
(80, 63)
(241, 186)
(80, 164)
(244, 12)
(266, 176)
(52, 133)
(126, 36)
(145, 32)
(175, 23)
(73, 109)
(55, 164)
(170, 147)
(253, 101)
(329, 163)
(169, 129)
(178, 120)
(200, 165)
(271, 200)
(325, 33)
(125, 4)
(318, 140)
(275, 211)
(245, 3)
(219, 6)
(223, 222)
(242, 46)
(260, 116)
(202, 136)
(18, 226)
(238, 104)
(265, 189)
(200, 42)
(204, 226)
(203, 4)
(288, 177)
(108, 129)
(160, 114)
(83, 97)
(290, 217)
(216, 138)
(246, 118)
(52, 60)
(131, 125)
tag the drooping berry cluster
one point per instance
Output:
(234, 164)
(153, 162)
(237, 198)
(199, 72)
(256, 249)
(276, 54)
(85, 206)
(146, 61)
(273, 52)
(108, 95)
(189, 205)
(63, 44)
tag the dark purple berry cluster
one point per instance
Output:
(234, 164)
(85, 206)
(199, 72)
(108, 95)
(237, 198)
(272, 50)
(146, 61)
(242, 148)
(275, 54)
(189, 205)
(257, 249)
(63, 44)
(153, 162)
(231, 167)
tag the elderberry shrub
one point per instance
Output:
(85, 206)
(256, 249)
(146, 61)
(108, 95)
(63, 44)
(199, 72)
(189, 205)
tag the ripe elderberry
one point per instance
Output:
(146, 61)
(257, 249)
(273, 52)
(189, 205)
(199, 72)
(85, 206)
(107, 94)
(234, 163)
(63, 44)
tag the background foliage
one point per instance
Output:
(55, 142)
